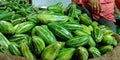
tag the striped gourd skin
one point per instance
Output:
(80, 33)
(97, 35)
(4, 42)
(65, 54)
(26, 52)
(24, 27)
(91, 42)
(94, 52)
(49, 18)
(60, 31)
(50, 52)
(72, 26)
(104, 49)
(20, 37)
(14, 49)
(6, 27)
(43, 32)
(85, 19)
(18, 20)
(109, 40)
(82, 53)
(77, 41)
(38, 44)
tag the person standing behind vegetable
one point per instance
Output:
(102, 11)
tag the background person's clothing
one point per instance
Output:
(84, 10)
(101, 20)
(107, 7)
(108, 23)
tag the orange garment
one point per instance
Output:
(107, 9)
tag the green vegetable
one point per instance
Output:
(43, 32)
(109, 40)
(20, 37)
(50, 52)
(73, 11)
(60, 31)
(94, 52)
(6, 27)
(4, 42)
(118, 30)
(26, 52)
(80, 33)
(105, 49)
(15, 49)
(18, 20)
(48, 18)
(77, 41)
(85, 19)
(87, 29)
(91, 42)
(38, 45)
(94, 24)
(56, 7)
(65, 54)
(24, 27)
(97, 35)
(6, 16)
(82, 53)
(72, 26)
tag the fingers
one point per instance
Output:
(96, 7)
(93, 7)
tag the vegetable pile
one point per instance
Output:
(54, 33)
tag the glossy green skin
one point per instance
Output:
(105, 49)
(65, 54)
(91, 42)
(20, 37)
(26, 52)
(60, 31)
(18, 21)
(14, 49)
(43, 32)
(38, 45)
(6, 27)
(77, 41)
(50, 52)
(80, 33)
(56, 8)
(97, 35)
(49, 18)
(94, 52)
(6, 15)
(4, 42)
(82, 53)
(85, 19)
(109, 40)
(24, 27)
(72, 26)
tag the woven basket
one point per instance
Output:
(11, 57)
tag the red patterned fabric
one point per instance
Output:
(107, 7)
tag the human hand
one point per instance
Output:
(95, 4)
